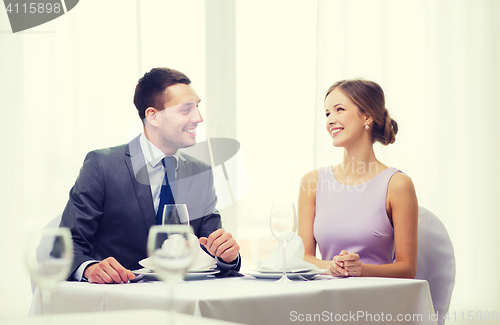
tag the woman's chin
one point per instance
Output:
(337, 144)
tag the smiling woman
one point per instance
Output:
(359, 217)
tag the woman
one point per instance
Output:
(359, 212)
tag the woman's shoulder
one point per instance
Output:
(400, 182)
(310, 175)
(315, 173)
(309, 182)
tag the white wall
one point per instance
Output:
(66, 88)
(276, 64)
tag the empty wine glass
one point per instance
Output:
(283, 227)
(175, 214)
(49, 254)
(172, 252)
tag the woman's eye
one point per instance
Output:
(327, 114)
(339, 109)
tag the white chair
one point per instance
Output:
(435, 261)
(54, 223)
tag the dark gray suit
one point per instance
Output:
(110, 208)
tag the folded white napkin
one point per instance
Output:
(294, 258)
(202, 261)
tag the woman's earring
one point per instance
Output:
(367, 127)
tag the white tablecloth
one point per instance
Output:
(251, 301)
(130, 317)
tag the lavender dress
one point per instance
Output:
(354, 218)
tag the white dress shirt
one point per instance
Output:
(156, 171)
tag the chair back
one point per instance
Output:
(435, 261)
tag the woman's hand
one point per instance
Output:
(346, 264)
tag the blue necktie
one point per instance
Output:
(166, 196)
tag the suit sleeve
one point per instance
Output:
(212, 221)
(84, 209)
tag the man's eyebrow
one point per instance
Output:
(186, 104)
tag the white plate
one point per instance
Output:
(199, 275)
(302, 270)
(206, 264)
(277, 275)
(150, 275)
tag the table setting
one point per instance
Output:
(203, 265)
(180, 277)
(296, 267)
(286, 261)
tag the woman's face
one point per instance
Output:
(344, 121)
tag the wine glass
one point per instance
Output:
(49, 255)
(283, 227)
(175, 214)
(172, 252)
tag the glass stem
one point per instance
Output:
(172, 302)
(284, 258)
(46, 297)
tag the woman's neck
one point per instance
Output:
(358, 163)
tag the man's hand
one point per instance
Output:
(108, 271)
(221, 244)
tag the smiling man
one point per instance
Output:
(116, 198)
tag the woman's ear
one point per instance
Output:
(368, 120)
(151, 116)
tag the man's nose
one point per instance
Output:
(198, 118)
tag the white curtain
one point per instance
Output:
(276, 69)
(439, 65)
(67, 88)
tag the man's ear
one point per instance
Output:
(151, 116)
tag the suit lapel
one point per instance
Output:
(138, 172)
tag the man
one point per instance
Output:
(116, 197)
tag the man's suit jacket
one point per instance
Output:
(110, 208)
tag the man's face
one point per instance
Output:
(178, 121)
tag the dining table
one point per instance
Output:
(250, 300)
(123, 317)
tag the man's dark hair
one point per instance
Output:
(149, 91)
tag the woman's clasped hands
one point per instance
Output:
(345, 264)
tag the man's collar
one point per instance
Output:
(152, 154)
